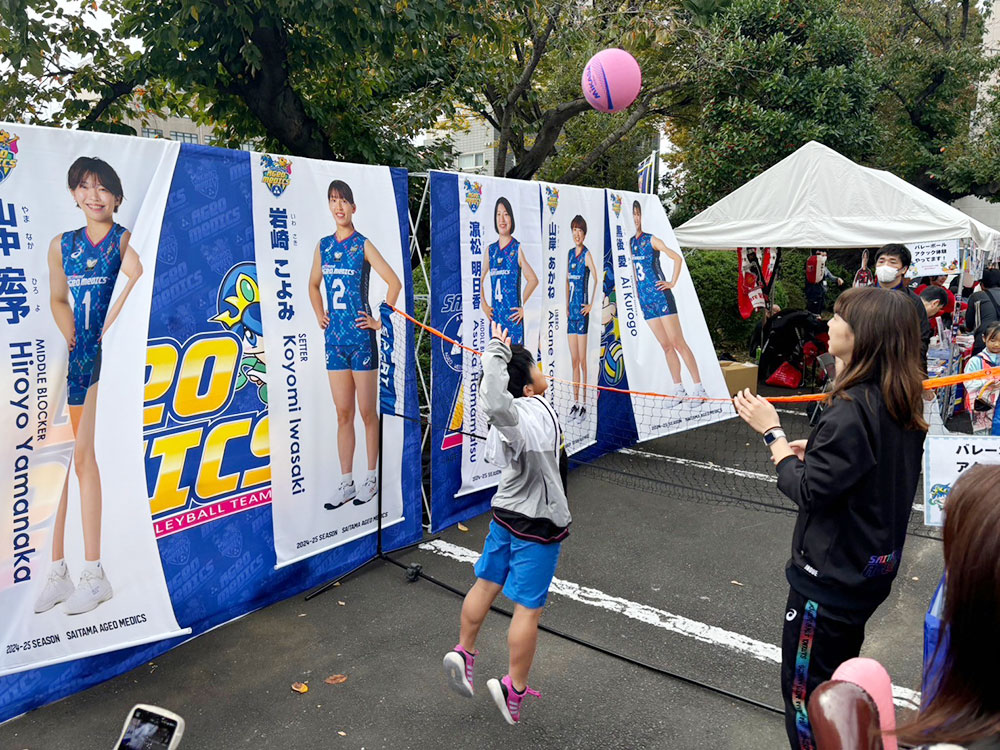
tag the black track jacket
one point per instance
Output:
(855, 492)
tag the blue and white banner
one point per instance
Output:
(331, 247)
(80, 573)
(573, 232)
(665, 341)
(181, 429)
(394, 364)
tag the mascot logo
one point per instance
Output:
(939, 493)
(552, 199)
(8, 154)
(277, 173)
(473, 195)
(616, 204)
(239, 312)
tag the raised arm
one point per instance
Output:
(383, 269)
(315, 290)
(132, 268)
(62, 311)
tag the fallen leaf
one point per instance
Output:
(336, 584)
(342, 734)
(342, 604)
(915, 578)
(736, 583)
(300, 687)
(335, 679)
(302, 615)
(463, 527)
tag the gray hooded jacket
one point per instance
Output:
(525, 442)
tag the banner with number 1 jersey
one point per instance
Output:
(80, 216)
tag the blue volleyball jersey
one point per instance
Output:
(578, 276)
(505, 280)
(646, 262)
(345, 273)
(91, 272)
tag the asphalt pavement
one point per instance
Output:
(657, 568)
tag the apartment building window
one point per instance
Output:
(152, 133)
(178, 135)
(471, 161)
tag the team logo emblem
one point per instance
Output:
(338, 255)
(552, 198)
(616, 204)
(473, 195)
(91, 263)
(939, 493)
(8, 154)
(277, 173)
(204, 178)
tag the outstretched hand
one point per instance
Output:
(499, 332)
(756, 411)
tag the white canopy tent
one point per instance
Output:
(817, 198)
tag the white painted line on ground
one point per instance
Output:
(708, 465)
(656, 617)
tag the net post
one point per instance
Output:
(381, 431)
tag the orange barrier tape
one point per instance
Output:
(929, 385)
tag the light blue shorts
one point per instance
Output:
(524, 569)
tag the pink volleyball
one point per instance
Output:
(611, 80)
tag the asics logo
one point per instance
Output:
(791, 615)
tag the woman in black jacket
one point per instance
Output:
(854, 481)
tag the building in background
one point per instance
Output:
(473, 138)
(180, 129)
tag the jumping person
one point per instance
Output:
(581, 286)
(530, 519)
(853, 482)
(503, 270)
(83, 268)
(342, 263)
(657, 302)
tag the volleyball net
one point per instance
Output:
(690, 447)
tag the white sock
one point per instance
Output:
(372, 475)
(347, 479)
(94, 567)
(59, 566)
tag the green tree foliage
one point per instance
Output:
(315, 78)
(775, 75)
(935, 82)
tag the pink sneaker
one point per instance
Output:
(508, 700)
(458, 667)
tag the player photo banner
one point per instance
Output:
(486, 263)
(665, 341)
(80, 572)
(573, 289)
(331, 247)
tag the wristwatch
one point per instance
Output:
(775, 433)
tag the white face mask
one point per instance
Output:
(886, 274)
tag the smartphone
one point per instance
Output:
(151, 728)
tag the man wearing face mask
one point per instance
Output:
(892, 262)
